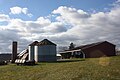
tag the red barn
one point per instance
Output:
(93, 50)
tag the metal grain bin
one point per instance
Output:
(31, 50)
(45, 51)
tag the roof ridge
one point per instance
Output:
(34, 43)
(45, 42)
(91, 45)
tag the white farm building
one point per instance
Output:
(42, 51)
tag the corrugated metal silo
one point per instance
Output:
(36, 53)
(31, 50)
(45, 51)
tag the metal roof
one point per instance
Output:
(86, 46)
(45, 42)
(91, 45)
(34, 43)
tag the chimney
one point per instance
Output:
(14, 51)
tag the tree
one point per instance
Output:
(71, 46)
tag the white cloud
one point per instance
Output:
(30, 15)
(70, 15)
(56, 27)
(91, 27)
(43, 21)
(25, 10)
(16, 10)
(4, 17)
(71, 25)
(19, 10)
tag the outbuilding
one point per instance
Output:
(45, 51)
(93, 50)
(42, 51)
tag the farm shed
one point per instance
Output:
(93, 50)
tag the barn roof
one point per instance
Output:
(34, 43)
(87, 46)
(46, 42)
(91, 45)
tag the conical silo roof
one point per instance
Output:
(34, 43)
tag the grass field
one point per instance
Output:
(107, 68)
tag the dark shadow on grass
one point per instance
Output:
(27, 64)
(63, 61)
(58, 61)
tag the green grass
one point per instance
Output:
(107, 68)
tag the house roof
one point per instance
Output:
(34, 43)
(45, 42)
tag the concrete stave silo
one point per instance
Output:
(14, 51)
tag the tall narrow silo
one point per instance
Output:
(36, 53)
(14, 51)
(31, 50)
(46, 51)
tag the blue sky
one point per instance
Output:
(45, 7)
(61, 21)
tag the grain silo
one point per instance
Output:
(31, 50)
(14, 51)
(45, 51)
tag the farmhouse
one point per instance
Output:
(93, 50)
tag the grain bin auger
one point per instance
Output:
(22, 57)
